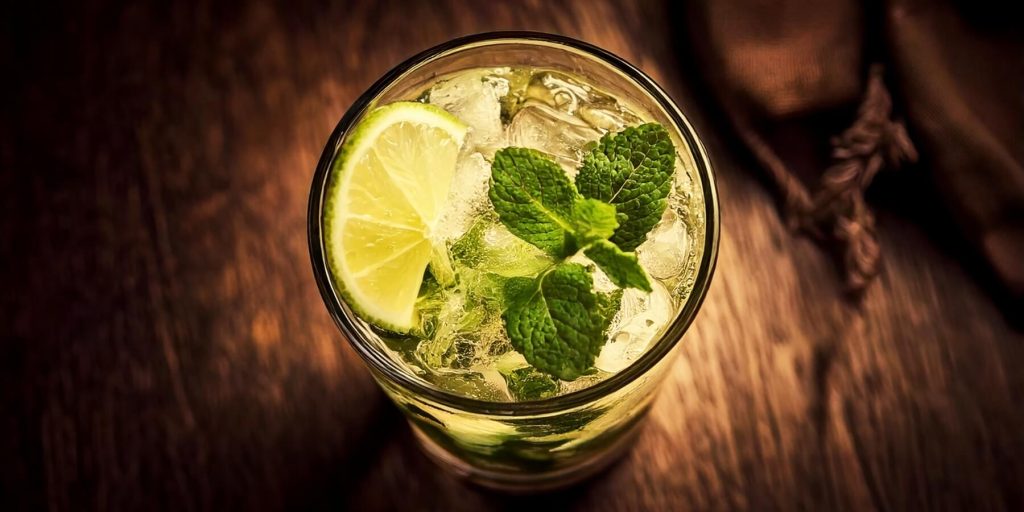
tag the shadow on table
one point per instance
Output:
(388, 470)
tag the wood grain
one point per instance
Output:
(164, 345)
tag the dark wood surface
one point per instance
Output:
(164, 344)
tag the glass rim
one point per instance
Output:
(381, 362)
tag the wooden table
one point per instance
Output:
(164, 344)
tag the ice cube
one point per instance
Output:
(489, 338)
(559, 91)
(475, 98)
(664, 252)
(562, 117)
(640, 319)
(459, 328)
(490, 248)
(565, 94)
(555, 132)
(620, 352)
(442, 315)
(607, 118)
(467, 197)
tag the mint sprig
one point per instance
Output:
(556, 320)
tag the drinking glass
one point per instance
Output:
(541, 444)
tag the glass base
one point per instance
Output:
(528, 483)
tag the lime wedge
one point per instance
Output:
(388, 187)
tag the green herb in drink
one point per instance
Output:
(556, 320)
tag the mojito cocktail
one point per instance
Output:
(514, 230)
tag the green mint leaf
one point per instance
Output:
(608, 304)
(557, 321)
(632, 170)
(530, 384)
(621, 267)
(533, 198)
(593, 220)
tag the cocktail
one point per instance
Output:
(514, 230)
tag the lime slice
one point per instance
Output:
(389, 185)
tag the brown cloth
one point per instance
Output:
(807, 87)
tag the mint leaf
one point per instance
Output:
(593, 220)
(632, 170)
(533, 198)
(557, 321)
(621, 267)
(530, 384)
(608, 304)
